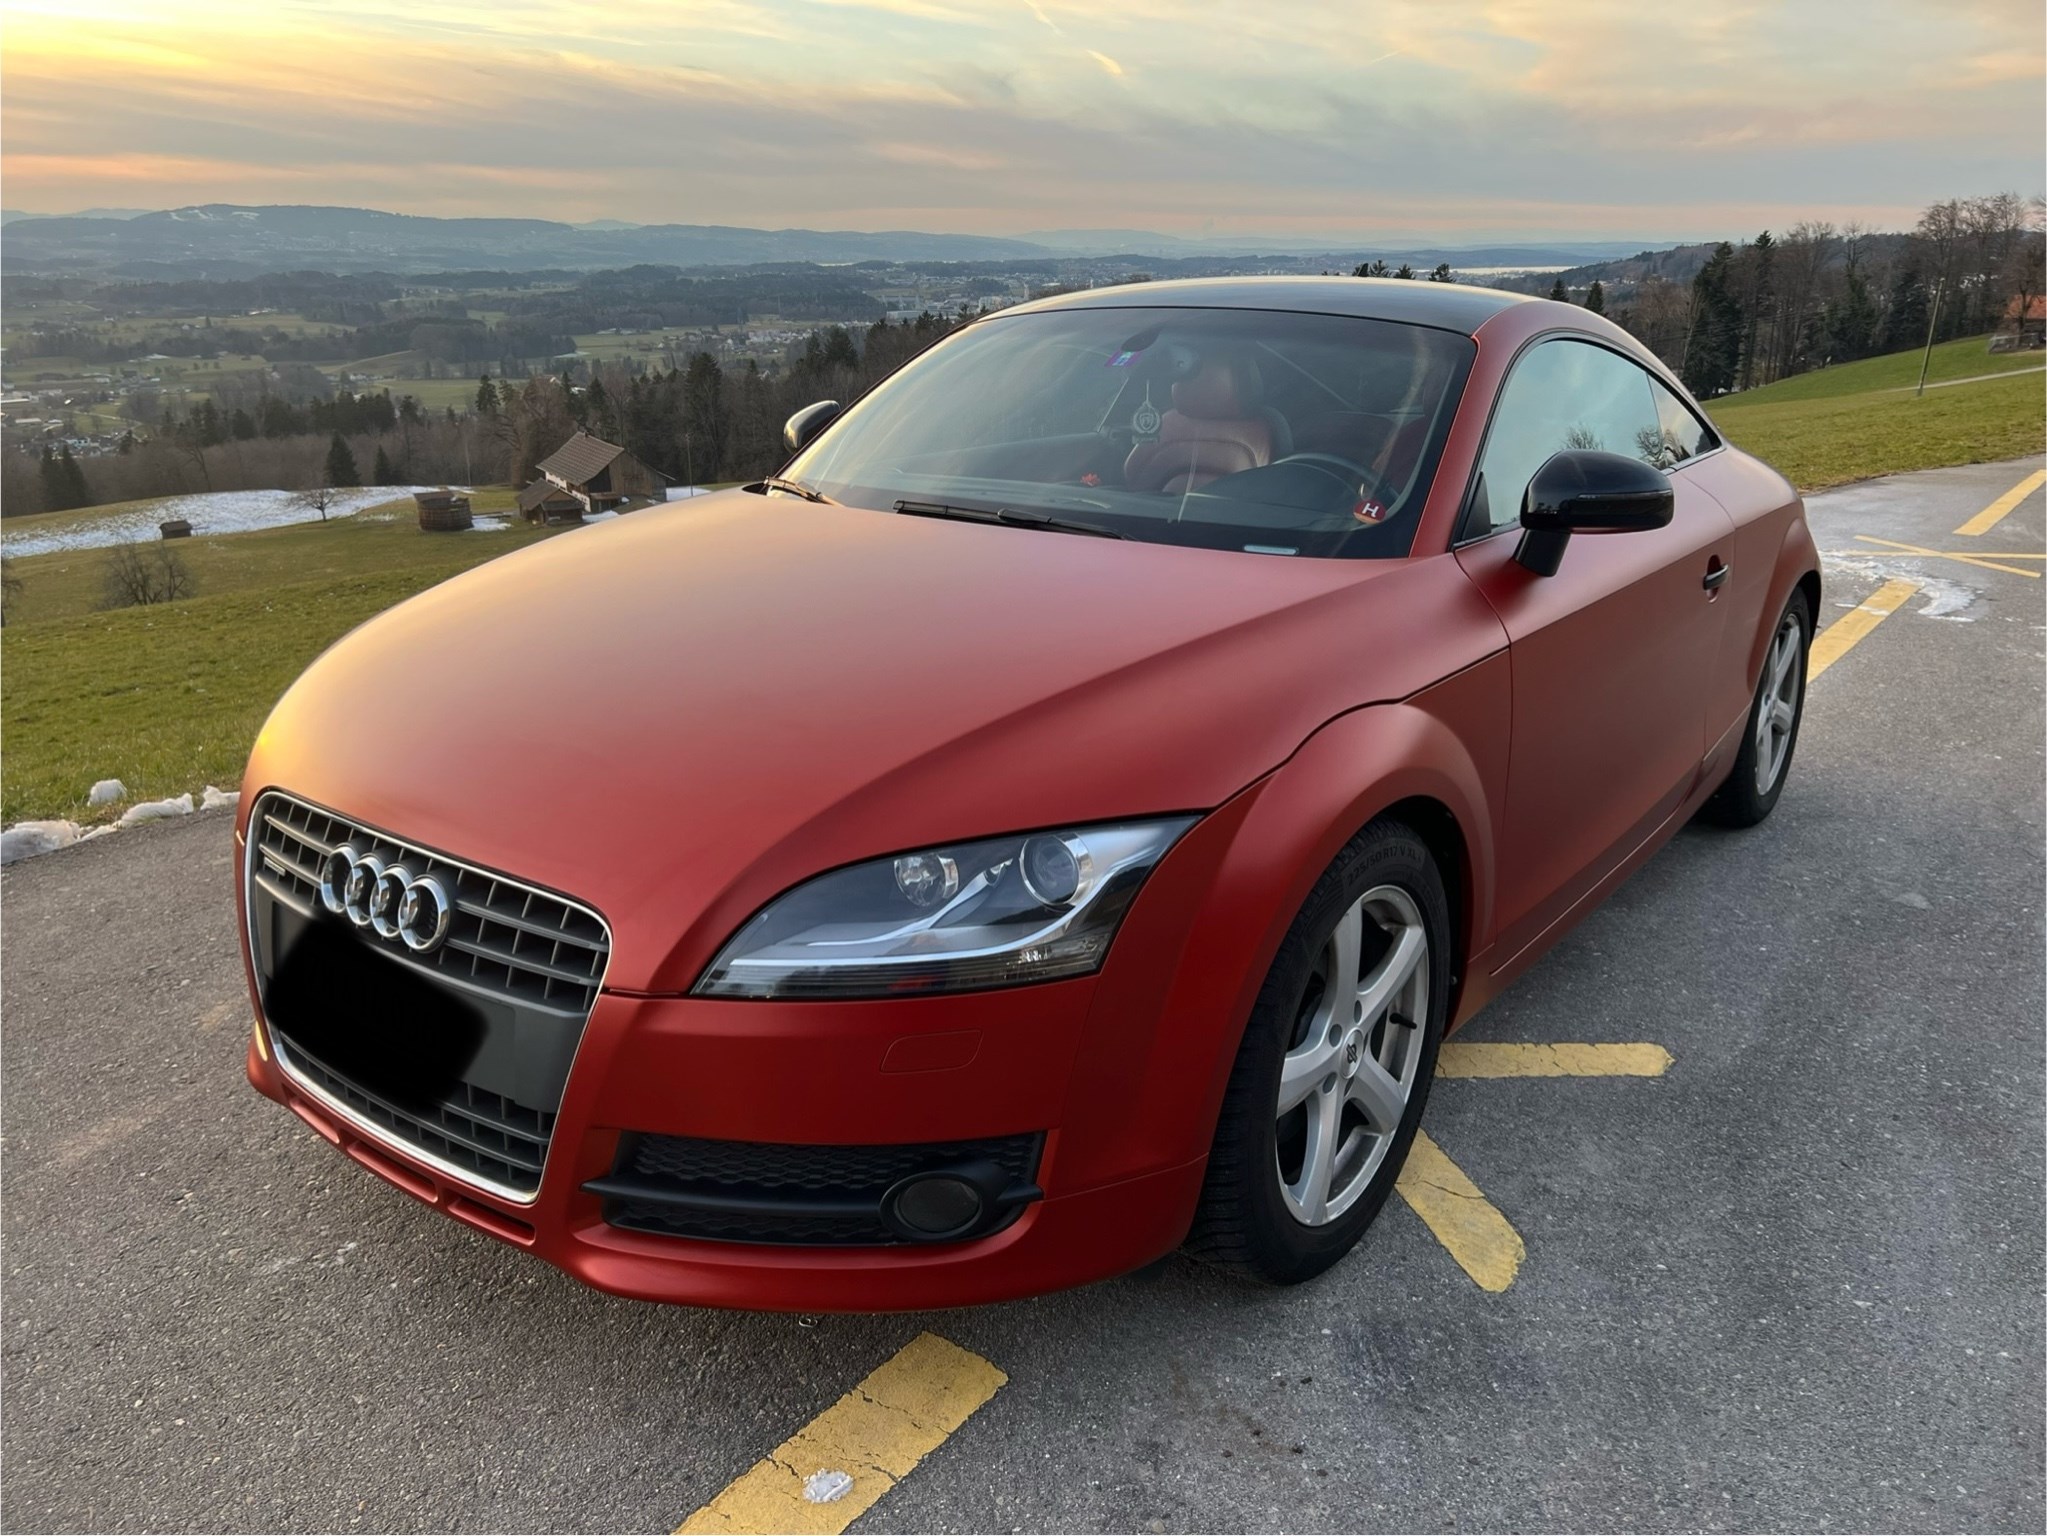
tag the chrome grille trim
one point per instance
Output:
(551, 953)
(286, 866)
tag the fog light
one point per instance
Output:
(933, 1206)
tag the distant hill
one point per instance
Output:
(11, 215)
(225, 240)
(1676, 264)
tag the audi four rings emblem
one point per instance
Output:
(388, 899)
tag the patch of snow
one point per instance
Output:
(826, 1487)
(207, 512)
(27, 839)
(1937, 598)
(485, 523)
(106, 792)
(212, 799)
(684, 492)
(157, 810)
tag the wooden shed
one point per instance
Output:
(593, 476)
(443, 511)
(176, 528)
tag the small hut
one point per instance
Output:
(443, 511)
(176, 528)
(543, 501)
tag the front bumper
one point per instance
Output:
(666, 1066)
(1118, 1073)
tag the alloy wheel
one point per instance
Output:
(1777, 712)
(1350, 1069)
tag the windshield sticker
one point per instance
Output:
(1369, 511)
(1146, 422)
(1125, 359)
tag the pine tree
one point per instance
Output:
(51, 477)
(1441, 274)
(1595, 298)
(1403, 270)
(384, 474)
(74, 480)
(1905, 315)
(487, 397)
(1713, 349)
(1559, 292)
(1362, 269)
(341, 470)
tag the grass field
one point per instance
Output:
(1966, 358)
(66, 584)
(169, 698)
(1817, 440)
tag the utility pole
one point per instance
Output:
(1933, 319)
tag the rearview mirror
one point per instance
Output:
(807, 423)
(1584, 491)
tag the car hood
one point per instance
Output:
(675, 715)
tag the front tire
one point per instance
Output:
(1334, 1068)
(1775, 714)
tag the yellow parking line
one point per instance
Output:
(1999, 509)
(1947, 554)
(1841, 636)
(1481, 1240)
(1489, 1058)
(833, 1470)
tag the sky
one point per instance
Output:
(1450, 121)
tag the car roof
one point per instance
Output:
(1447, 306)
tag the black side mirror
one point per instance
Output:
(1583, 491)
(807, 423)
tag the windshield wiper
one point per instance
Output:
(1006, 516)
(790, 488)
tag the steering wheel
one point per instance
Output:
(1334, 464)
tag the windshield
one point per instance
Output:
(1258, 430)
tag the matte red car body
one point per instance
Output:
(743, 692)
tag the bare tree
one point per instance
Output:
(138, 575)
(317, 498)
(10, 587)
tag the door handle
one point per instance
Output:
(1716, 575)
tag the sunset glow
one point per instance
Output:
(1445, 118)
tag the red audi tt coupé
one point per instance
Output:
(1054, 821)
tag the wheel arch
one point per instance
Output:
(1436, 761)
(1436, 825)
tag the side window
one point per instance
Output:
(1563, 394)
(1684, 435)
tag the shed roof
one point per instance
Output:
(580, 459)
(538, 494)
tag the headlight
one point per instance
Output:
(997, 913)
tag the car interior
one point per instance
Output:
(1219, 428)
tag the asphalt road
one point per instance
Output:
(1793, 1283)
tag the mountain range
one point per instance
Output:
(229, 240)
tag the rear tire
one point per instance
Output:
(1770, 735)
(1346, 1027)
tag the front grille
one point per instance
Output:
(531, 962)
(476, 1132)
(763, 1192)
(506, 937)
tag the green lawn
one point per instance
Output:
(169, 698)
(1831, 440)
(1962, 359)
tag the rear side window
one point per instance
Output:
(1569, 394)
(1684, 435)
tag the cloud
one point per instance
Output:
(1424, 118)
